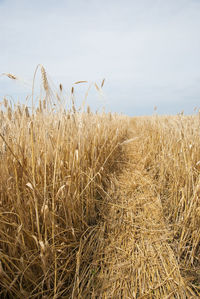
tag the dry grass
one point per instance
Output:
(97, 205)
(172, 157)
(55, 169)
(151, 248)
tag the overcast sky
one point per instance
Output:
(147, 50)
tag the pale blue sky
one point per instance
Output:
(148, 50)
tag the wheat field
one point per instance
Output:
(96, 205)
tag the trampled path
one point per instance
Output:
(137, 259)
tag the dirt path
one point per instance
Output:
(137, 260)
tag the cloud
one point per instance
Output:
(147, 50)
